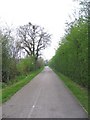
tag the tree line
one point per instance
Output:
(71, 58)
(21, 52)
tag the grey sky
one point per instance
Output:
(50, 14)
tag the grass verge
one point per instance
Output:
(10, 90)
(79, 92)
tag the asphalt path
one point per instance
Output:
(45, 96)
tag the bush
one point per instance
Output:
(26, 65)
(39, 63)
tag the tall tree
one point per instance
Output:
(33, 39)
(9, 58)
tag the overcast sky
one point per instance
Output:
(50, 14)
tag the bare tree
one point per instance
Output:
(33, 39)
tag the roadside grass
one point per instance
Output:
(79, 92)
(11, 89)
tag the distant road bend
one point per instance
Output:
(44, 97)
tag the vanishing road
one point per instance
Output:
(45, 96)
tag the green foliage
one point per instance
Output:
(5, 58)
(12, 68)
(39, 63)
(8, 62)
(11, 65)
(71, 58)
(26, 65)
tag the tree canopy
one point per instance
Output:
(33, 39)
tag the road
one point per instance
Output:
(45, 96)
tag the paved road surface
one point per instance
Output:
(44, 97)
